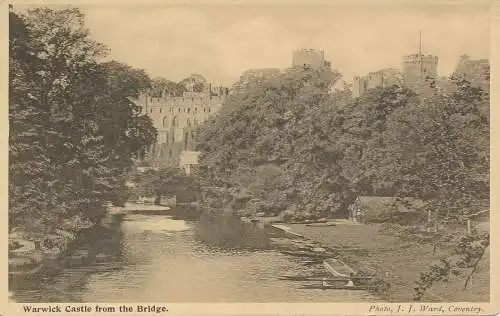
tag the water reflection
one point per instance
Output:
(157, 259)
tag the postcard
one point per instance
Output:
(250, 157)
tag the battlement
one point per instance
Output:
(417, 58)
(184, 101)
(309, 50)
(188, 99)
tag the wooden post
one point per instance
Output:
(429, 214)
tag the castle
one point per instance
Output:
(175, 119)
(418, 70)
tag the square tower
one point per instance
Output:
(308, 58)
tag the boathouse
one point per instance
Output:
(380, 209)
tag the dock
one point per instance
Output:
(136, 208)
(286, 230)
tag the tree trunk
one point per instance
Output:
(469, 277)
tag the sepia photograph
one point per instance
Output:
(249, 153)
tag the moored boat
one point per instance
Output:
(338, 268)
(335, 287)
(307, 253)
(322, 278)
(321, 224)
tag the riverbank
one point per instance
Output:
(399, 263)
(38, 255)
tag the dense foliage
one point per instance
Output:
(164, 182)
(73, 130)
(297, 147)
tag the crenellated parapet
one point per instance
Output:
(417, 58)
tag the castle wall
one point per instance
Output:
(380, 79)
(175, 119)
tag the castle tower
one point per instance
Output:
(419, 68)
(308, 58)
(358, 86)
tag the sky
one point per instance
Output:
(222, 41)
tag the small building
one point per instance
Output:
(188, 160)
(378, 209)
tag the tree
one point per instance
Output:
(166, 87)
(469, 251)
(439, 147)
(74, 131)
(275, 109)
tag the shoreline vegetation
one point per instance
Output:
(74, 135)
(412, 161)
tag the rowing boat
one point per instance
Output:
(316, 278)
(335, 287)
(338, 268)
(305, 253)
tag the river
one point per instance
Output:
(158, 259)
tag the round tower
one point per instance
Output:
(418, 67)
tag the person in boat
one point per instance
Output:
(324, 283)
(350, 282)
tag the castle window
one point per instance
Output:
(208, 109)
(189, 109)
(196, 109)
(160, 110)
(165, 121)
(188, 122)
(179, 110)
(174, 122)
(151, 111)
(204, 109)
